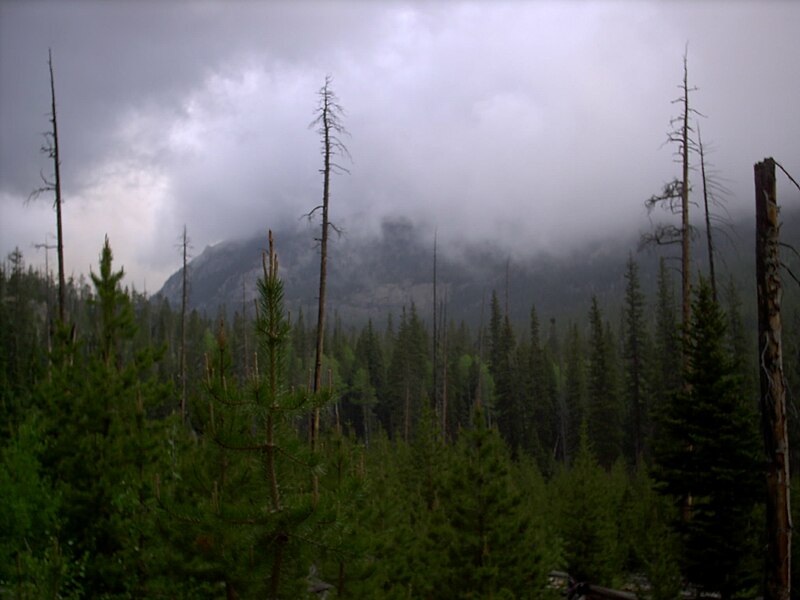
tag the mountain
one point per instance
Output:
(370, 277)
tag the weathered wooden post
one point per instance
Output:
(773, 385)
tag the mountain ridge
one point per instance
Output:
(372, 276)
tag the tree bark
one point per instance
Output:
(329, 128)
(686, 281)
(435, 336)
(57, 188)
(709, 238)
(184, 295)
(773, 385)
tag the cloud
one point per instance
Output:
(536, 124)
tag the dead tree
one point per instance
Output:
(436, 407)
(773, 384)
(184, 298)
(50, 148)
(716, 214)
(675, 196)
(331, 130)
(709, 239)
(686, 282)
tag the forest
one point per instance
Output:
(152, 451)
(520, 451)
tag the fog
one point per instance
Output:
(536, 124)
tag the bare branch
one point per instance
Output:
(790, 247)
(792, 275)
(780, 166)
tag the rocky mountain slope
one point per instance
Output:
(370, 277)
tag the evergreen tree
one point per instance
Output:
(490, 544)
(21, 334)
(603, 414)
(574, 389)
(708, 458)
(740, 346)
(502, 368)
(462, 378)
(543, 395)
(103, 448)
(370, 376)
(635, 355)
(257, 518)
(588, 520)
(667, 376)
(407, 376)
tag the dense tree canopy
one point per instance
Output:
(540, 463)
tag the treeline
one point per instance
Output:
(521, 449)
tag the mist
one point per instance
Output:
(537, 126)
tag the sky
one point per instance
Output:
(535, 124)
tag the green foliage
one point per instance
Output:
(668, 371)
(28, 505)
(107, 494)
(24, 304)
(574, 390)
(490, 546)
(101, 445)
(115, 320)
(503, 361)
(546, 415)
(636, 355)
(604, 412)
(654, 546)
(708, 458)
(408, 376)
(589, 504)
(255, 507)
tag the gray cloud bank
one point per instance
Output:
(534, 123)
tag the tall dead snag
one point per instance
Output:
(329, 126)
(686, 281)
(436, 407)
(773, 384)
(675, 196)
(184, 298)
(50, 148)
(709, 239)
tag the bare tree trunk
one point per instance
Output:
(709, 239)
(56, 184)
(773, 384)
(444, 368)
(435, 336)
(184, 296)
(686, 281)
(330, 128)
(478, 399)
(245, 351)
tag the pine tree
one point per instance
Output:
(502, 368)
(667, 369)
(635, 355)
(543, 396)
(708, 452)
(103, 447)
(588, 523)
(407, 376)
(603, 413)
(371, 372)
(575, 401)
(482, 524)
(255, 516)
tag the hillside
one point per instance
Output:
(370, 277)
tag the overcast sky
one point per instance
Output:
(533, 122)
